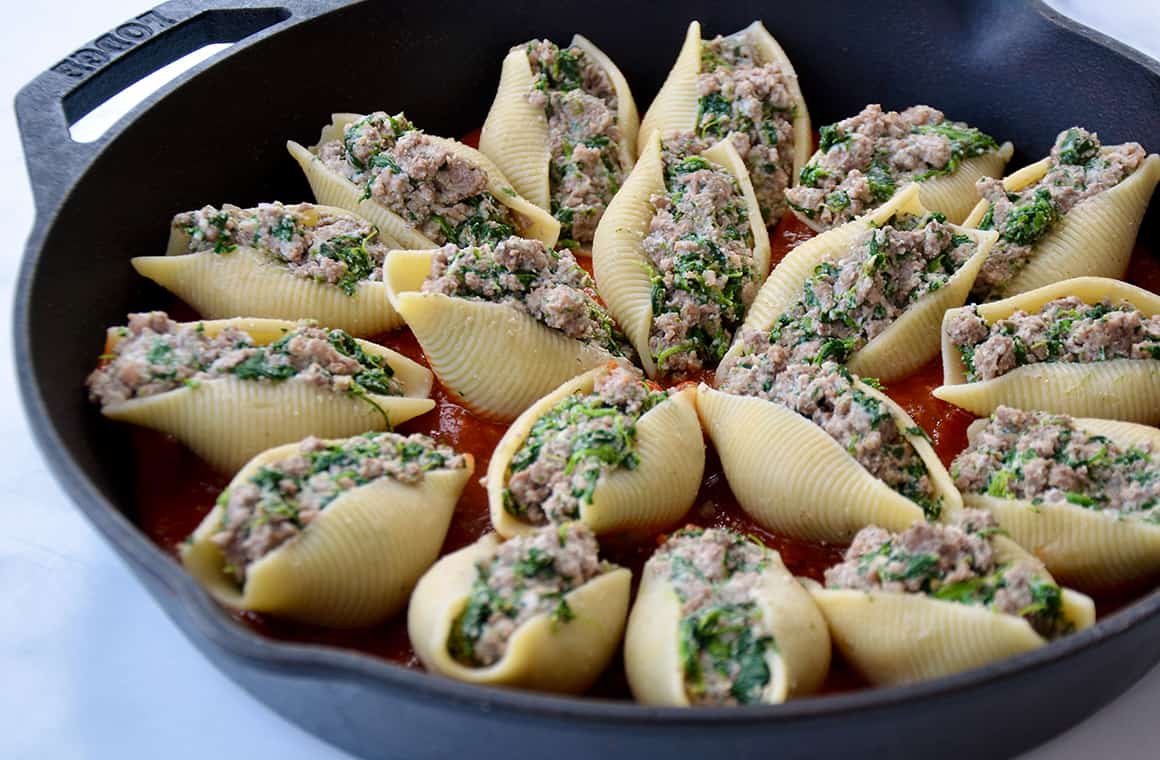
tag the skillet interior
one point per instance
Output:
(219, 136)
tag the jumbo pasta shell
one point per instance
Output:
(542, 654)
(654, 495)
(619, 262)
(333, 189)
(354, 565)
(895, 638)
(1122, 389)
(515, 134)
(798, 663)
(493, 357)
(675, 106)
(226, 420)
(791, 477)
(1086, 548)
(913, 339)
(1094, 239)
(246, 281)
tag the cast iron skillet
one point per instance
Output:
(1017, 70)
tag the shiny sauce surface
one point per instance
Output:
(175, 490)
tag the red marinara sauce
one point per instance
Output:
(175, 490)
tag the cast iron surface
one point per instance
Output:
(217, 134)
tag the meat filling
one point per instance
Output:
(580, 101)
(1078, 169)
(862, 160)
(278, 501)
(1063, 330)
(724, 639)
(318, 245)
(438, 193)
(851, 300)
(530, 575)
(700, 246)
(952, 562)
(549, 285)
(749, 100)
(826, 395)
(1045, 459)
(154, 354)
(556, 470)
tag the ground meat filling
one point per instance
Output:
(556, 470)
(1078, 169)
(549, 285)
(953, 563)
(851, 300)
(281, 498)
(441, 195)
(154, 354)
(1063, 330)
(725, 640)
(580, 101)
(826, 395)
(1045, 459)
(751, 102)
(530, 575)
(318, 245)
(700, 246)
(862, 160)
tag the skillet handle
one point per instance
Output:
(47, 106)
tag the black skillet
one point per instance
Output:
(1017, 70)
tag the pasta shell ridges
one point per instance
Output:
(1123, 389)
(620, 267)
(244, 282)
(226, 421)
(515, 134)
(771, 457)
(943, 637)
(675, 105)
(490, 345)
(1095, 238)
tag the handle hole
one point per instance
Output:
(94, 124)
(110, 93)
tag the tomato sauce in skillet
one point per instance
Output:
(175, 489)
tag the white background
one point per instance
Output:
(89, 666)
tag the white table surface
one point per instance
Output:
(89, 666)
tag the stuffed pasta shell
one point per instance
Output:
(606, 448)
(502, 325)
(279, 261)
(870, 294)
(1075, 213)
(539, 611)
(811, 451)
(938, 599)
(680, 254)
(864, 160)
(329, 532)
(1086, 347)
(1083, 495)
(421, 191)
(563, 129)
(718, 620)
(231, 388)
(742, 88)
